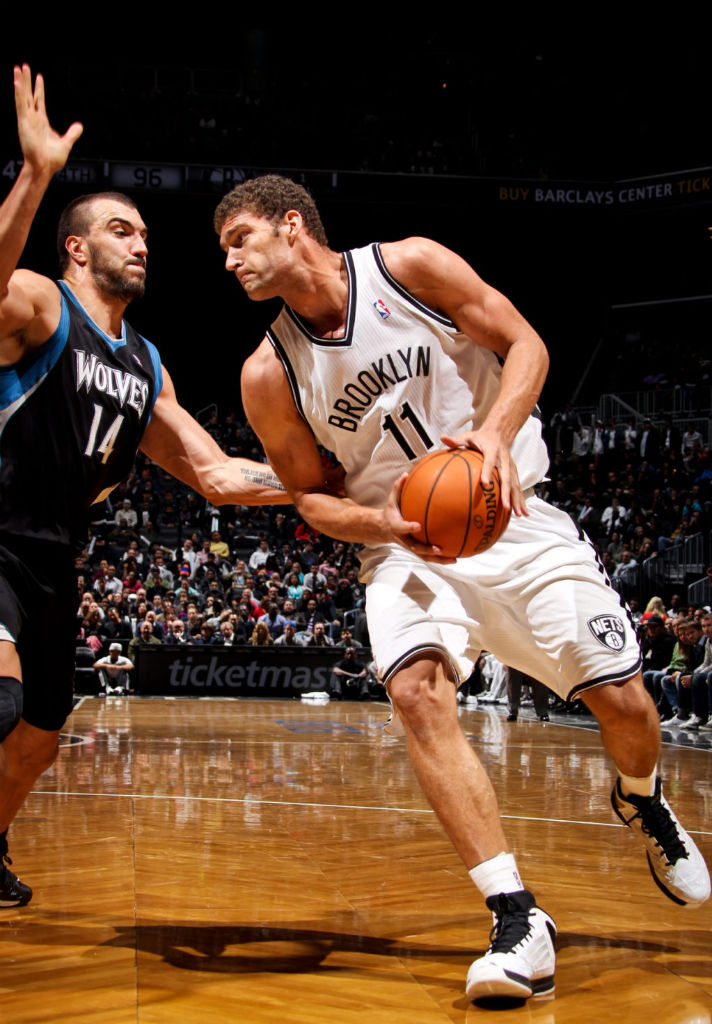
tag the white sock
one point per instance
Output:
(639, 787)
(496, 875)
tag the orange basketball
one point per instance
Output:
(443, 493)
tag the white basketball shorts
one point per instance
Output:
(538, 600)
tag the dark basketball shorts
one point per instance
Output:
(38, 612)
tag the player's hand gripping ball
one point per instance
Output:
(457, 513)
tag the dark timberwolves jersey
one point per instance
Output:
(72, 414)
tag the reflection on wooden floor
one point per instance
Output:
(214, 861)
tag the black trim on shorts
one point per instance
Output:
(583, 536)
(615, 677)
(622, 674)
(412, 653)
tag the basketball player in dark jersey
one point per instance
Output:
(80, 390)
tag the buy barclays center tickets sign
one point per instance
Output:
(685, 187)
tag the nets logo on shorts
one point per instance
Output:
(609, 631)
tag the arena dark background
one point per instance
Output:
(449, 110)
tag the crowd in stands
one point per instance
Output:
(677, 653)
(163, 567)
(655, 351)
(634, 488)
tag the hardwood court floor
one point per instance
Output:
(214, 861)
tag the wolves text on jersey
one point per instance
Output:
(376, 378)
(129, 389)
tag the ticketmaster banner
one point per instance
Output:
(236, 671)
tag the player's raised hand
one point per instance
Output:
(44, 149)
(496, 453)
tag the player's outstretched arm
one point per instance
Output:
(180, 445)
(24, 296)
(444, 281)
(293, 453)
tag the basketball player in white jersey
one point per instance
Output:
(382, 354)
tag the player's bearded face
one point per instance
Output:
(117, 275)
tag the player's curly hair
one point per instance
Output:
(75, 219)
(271, 196)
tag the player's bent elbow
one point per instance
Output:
(217, 492)
(209, 482)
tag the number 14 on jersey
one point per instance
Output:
(107, 445)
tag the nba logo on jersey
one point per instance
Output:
(382, 309)
(609, 631)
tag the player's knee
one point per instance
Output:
(10, 704)
(44, 757)
(34, 755)
(419, 690)
(627, 702)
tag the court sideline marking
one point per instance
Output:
(338, 807)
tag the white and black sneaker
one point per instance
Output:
(695, 722)
(521, 958)
(679, 719)
(677, 866)
(13, 892)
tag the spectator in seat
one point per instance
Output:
(206, 637)
(691, 447)
(702, 681)
(177, 633)
(145, 638)
(261, 636)
(349, 679)
(274, 621)
(260, 555)
(289, 637)
(125, 517)
(318, 637)
(114, 671)
(677, 685)
(346, 639)
(228, 637)
(613, 518)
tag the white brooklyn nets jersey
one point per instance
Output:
(402, 375)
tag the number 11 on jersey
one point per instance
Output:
(406, 413)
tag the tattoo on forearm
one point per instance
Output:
(263, 478)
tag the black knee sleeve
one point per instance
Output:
(10, 704)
